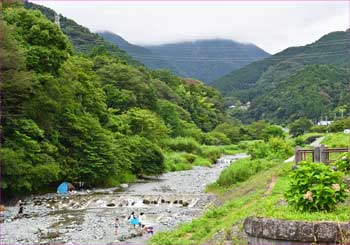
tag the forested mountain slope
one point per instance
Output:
(315, 91)
(249, 81)
(205, 60)
(309, 81)
(81, 37)
(92, 118)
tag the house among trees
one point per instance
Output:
(324, 123)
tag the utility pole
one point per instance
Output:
(57, 20)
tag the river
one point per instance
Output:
(87, 217)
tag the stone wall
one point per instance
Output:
(268, 230)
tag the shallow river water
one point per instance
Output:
(87, 217)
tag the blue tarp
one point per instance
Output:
(63, 188)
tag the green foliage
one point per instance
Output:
(306, 78)
(169, 113)
(339, 125)
(215, 138)
(83, 40)
(47, 47)
(146, 157)
(242, 169)
(274, 148)
(272, 131)
(145, 123)
(28, 159)
(92, 117)
(316, 187)
(300, 126)
(185, 144)
(231, 131)
(336, 140)
(343, 163)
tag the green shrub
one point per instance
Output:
(211, 153)
(175, 161)
(300, 126)
(319, 129)
(299, 141)
(190, 158)
(274, 148)
(147, 157)
(343, 163)
(186, 144)
(242, 169)
(339, 125)
(316, 187)
(272, 131)
(215, 138)
(201, 161)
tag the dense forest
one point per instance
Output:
(92, 115)
(308, 77)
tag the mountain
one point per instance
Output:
(142, 54)
(205, 60)
(315, 91)
(248, 82)
(299, 81)
(82, 38)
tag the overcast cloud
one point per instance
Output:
(271, 25)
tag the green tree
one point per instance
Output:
(300, 126)
(145, 123)
(147, 158)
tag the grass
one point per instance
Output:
(337, 140)
(204, 156)
(242, 169)
(260, 195)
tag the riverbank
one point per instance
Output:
(87, 218)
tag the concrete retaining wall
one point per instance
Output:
(268, 230)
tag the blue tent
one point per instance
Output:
(64, 187)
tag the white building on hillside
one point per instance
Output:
(324, 123)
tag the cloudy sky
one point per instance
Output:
(272, 25)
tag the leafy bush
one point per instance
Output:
(242, 169)
(343, 163)
(215, 138)
(316, 187)
(147, 158)
(299, 141)
(230, 130)
(319, 129)
(300, 126)
(211, 153)
(175, 161)
(186, 144)
(274, 148)
(339, 125)
(272, 131)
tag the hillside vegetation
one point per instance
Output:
(82, 39)
(314, 77)
(92, 118)
(74, 115)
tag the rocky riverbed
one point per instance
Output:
(87, 217)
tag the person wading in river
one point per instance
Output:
(133, 219)
(116, 226)
(20, 205)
